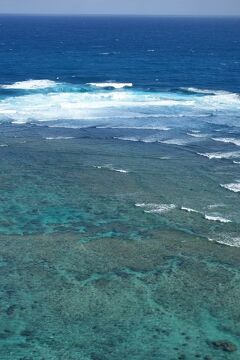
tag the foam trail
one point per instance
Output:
(112, 101)
(217, 218)
(120, 170)
(114, 85)
(228, 140)
(196, 135)
(30, 85)
(235, 187)
(198, 91)
(143, 127)
(129, 138)
(214, 206)
(155, 208)
(227, 240)
(59, 138)
(189, 210)
(221, 155)
(205, 91)
(110, 167)
(179, 142)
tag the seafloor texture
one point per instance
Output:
(100, 261)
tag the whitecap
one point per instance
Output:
(235, 187)
(228, 140)
(179, 142)
(196, 135)
(227, 240)
(214, 206)
(59, 138)
(114, 85)
(189, 210)
(120, 170)
(155, 208)
(127, 138)
(30, 84)
(198, 91)
(205, 91)
(216, 218)
(143, 127)
(152, 139)
(221, 155)
(110, 167)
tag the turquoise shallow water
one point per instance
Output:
(99, 261)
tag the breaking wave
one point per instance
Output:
(228, 140)
(156, 208)
(221, 155)
(217, 218)
(109, 84)
(39, 101)
(235, 187)
(30, 85)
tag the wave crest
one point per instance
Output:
(30, 85)
(156, 208)
(109, 84)
(110, 101)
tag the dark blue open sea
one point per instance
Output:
(119, 188)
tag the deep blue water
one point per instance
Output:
(119, 188)
(188, 52)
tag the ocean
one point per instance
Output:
(120, 185)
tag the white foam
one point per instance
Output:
(121, 102)
(221, 155)
(59, 138)
(8, 112)
(198, 91)
(189, 210)
(217, 218)
(227, 240)
(196, 135)
(164, 157)
(110, 167)
(235, 187)
(228, 140)
(114, 85)
(120, 170)
(129, 138)
(155, 208)
(30, 84)
(236, 162)
(179, 142)
(152, 139)
(214, 206)
(3, 145)
(206, 91)
(143, 127)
